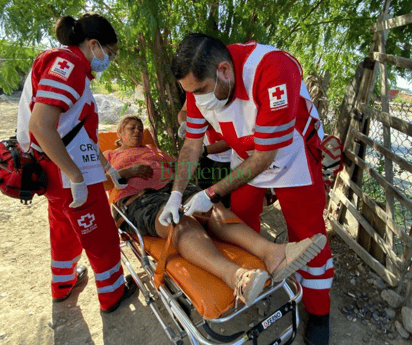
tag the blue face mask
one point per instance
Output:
(100, 65)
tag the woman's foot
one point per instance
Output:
(249, 284)
(297, 255)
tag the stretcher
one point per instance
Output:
(197, 303)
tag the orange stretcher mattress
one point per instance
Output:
(210, 295)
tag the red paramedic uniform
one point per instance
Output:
(61, 77)
(271, 110)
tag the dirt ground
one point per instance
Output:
(27, 315)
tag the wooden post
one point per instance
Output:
(390, 209)
(348, 103)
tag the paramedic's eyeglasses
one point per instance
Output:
(113, 54)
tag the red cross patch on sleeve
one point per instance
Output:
(62, 68)
(278, 97)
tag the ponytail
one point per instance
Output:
(72, 32)
(69, 32)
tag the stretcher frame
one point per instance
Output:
(180, 307)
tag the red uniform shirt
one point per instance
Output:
(60, 77)
(277, 79)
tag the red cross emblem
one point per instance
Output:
(62, 68)
(86, 221)
(278, 93)
(240, 144)
(278, 97)
(63, 64)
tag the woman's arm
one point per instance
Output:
(43, 123)
(217, 147)
(138, 170)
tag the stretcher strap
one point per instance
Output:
(161, 264)
(159, 276)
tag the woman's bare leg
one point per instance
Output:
(195, 245)
(272, 254)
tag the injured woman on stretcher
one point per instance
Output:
(149, 174)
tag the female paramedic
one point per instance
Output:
(58, 120)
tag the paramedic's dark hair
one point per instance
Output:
(200, 54)
(72, 32)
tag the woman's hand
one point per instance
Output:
(139, 170)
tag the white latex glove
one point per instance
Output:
(181, 132)
(199, 203)
(115, 176)
(171, 209)
(79, 193)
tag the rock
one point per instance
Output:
(407, 318)
(365, 339)
(375, 317)
(3, 335)
(52, 325)
(111, 107)
(4, 98)
(378, 282)
(393, 299)
(390, 312)
(392, 336)
(403, 333)
(353, 281)
(370, 281)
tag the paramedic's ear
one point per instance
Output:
(225, 71)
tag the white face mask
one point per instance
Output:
(209, 101)
(100, 65)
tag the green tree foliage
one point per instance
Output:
(324, 35)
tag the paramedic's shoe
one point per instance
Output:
(249, 284)
(130, 288)
(298, 254)
(81, 277)
(317, 330)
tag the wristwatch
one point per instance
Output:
(214, 197)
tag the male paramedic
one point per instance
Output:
(253, 96)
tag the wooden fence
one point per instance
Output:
(370, 222)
